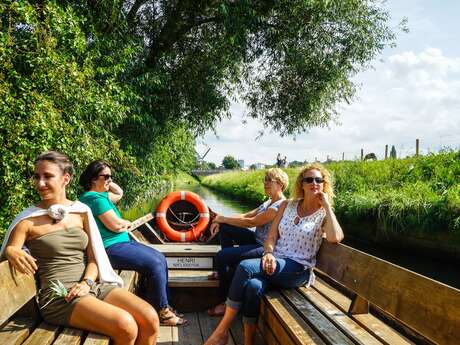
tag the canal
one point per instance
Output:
(438, 269)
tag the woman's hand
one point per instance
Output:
(21, 260)
(323, 199)
(214, 229)
(78, 290)
(269, 263)
(218, 219)
(126, 224)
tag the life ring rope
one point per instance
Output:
(181, 221)
(195, 230)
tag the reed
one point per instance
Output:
(412, 195)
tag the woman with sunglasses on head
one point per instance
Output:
(101, 194)
(234, 230)
(289, 251)
(65, 248)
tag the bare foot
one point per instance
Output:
(217, 339)
(218, 310)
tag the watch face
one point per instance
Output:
(89, 281)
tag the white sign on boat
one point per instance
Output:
(184, 262)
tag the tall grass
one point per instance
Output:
(414, 195)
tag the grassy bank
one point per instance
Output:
(181, 180)
(418, 196)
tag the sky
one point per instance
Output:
(411, 92)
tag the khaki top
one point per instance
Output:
(61, 255)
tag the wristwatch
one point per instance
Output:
(89, 281)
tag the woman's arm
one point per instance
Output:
(114, 223)
(115, 192)
(268, 259)
(331, 226)
(91, 271)
(18, 258)
(272, 237)
(248, 222)
(236, 220)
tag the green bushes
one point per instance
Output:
(413, 195)
(63, 90)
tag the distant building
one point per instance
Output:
(260, 165)
(241, 163)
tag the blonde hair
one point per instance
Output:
(279, 176)
(328, 184)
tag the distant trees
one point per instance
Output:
(229, 162)
(202, 165)
(295, 164)
(253, 167)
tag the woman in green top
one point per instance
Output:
(62, 241)
(101, 194)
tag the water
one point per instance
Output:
(440, 270)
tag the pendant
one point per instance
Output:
(296, 220)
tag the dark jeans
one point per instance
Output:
(149, 262)
(229, 257)
(250, 283)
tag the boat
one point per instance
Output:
(356, 299)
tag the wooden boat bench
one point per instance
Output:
(20, 322)
(349, 284)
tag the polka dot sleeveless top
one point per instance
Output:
(299, 242)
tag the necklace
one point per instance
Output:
(300, 213)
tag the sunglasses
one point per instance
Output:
(268, 180)
(309, 180)
(106, 176)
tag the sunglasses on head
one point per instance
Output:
(309, 180)
(106, 176)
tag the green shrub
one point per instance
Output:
(418, 194)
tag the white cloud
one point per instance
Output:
(410, 95)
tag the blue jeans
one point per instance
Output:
(149, 262)
(250, 282)
(230, 235)
(229, 257)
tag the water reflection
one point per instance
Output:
(217, 202)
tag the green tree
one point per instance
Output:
(212, 165)
(295, 164)
(291, 60)
(135, 82)
(253, 167)
(229, 162)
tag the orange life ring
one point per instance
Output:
(194, 232)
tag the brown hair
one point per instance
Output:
(58, 158)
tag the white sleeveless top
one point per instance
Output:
(299, 242)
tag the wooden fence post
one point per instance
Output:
(386, 151)
(362, 154)
(417, 145)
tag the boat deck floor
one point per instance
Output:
(199, 328)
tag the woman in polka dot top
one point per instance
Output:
(290, 250)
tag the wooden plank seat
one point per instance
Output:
(191, 278)
(20, 322)
(360, 299)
